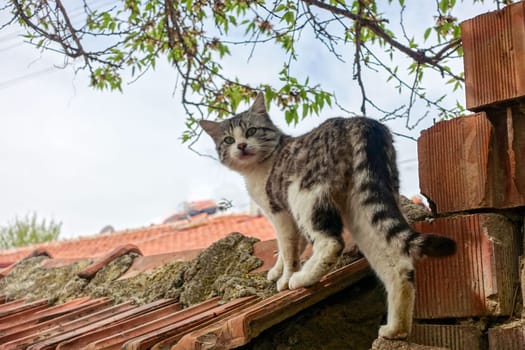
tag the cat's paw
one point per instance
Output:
(283, 283)
(300, 279)
(392, 333)
(277, 270)
(275, 273)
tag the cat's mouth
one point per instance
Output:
(244, 154)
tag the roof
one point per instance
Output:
(163, 324)
(197, 233)
(97, 323)
(179, 316)
(193, 209)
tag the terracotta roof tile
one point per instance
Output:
(165, 337)
(193, 209)
(95, 324)
(27, 331)
(241, 327)
(158, 239)
(42, 336)
(117, 332)
(16, 307)
(90, 271)
(61, 337)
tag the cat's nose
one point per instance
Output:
(242, 146)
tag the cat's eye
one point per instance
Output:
(251, 132)
(229, 140)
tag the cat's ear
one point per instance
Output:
(259, 106)
(212, 128)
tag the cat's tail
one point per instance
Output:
(423, 244)
(377, 188)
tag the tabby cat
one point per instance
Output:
(341, 174)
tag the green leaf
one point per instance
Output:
(290, 115)
(427, 33)
(328, 99)
(280, 7)
(305, 110)
(289, 17)
(443, 5)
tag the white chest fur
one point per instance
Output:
(256, 186)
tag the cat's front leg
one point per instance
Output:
(277, 270)
(288, 240)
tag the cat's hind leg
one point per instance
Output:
(399, 283)
(319, 220)
(396, 271)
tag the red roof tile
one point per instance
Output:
(20, 333)
(193, 209)
(241, 327)
(95, 324)
(159, 239)
(163, 337)
(61, 331)
(117, 332)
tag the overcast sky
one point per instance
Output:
(89, 158)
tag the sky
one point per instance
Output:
(89, 158)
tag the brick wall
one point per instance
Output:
(472, 171)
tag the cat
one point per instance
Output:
(341, 174)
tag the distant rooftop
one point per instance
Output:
(195, 232)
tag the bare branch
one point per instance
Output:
(357, 59)
(418, 56)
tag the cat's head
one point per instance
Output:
(246, 139)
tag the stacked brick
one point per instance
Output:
(472, 172)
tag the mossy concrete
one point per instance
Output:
(413, 212)
(30, 280)
(221, 270)
(162, 282)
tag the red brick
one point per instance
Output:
(509, 125)
(454, 337)
(507, 337)
(479, 279)
(474, 162)
(494, 51)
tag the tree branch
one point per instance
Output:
(79, 50)
(418, 56)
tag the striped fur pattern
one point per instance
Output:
(341, 174)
